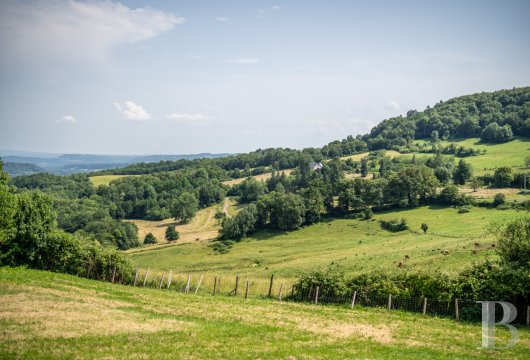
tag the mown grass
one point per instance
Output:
(46, 315)
(511, 153)
(454, 241)
(105, 179)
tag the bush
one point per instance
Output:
(222, 247)
(150, 239)
(171, 233)
(464, 209)
(503, 176)
(394, 225)
(424, 227)
(368, 214)
(499, 199)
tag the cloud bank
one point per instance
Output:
(72, 30)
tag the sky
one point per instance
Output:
(181, 77)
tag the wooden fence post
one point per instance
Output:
(145, 278)
(214, 285)
(280, 292)
(270, 285)
(246, 291)
(237, 284)
(113, 274)
(169, 278)
(198, 285)
(424, 305)
(353, 299)
(136, 277)
(316, 295)
(219, 285)
(389, 301)
(162, 281)
(187, 288)
(457, 310)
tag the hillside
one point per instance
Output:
(48, 315)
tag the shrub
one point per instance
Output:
(394, 225)
(424, 227)
(223, 247)
(368, 214)
(464, 209)
(171, 233)
(499, 199)
(150, 239)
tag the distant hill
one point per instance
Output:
(17, 169)
(27, 163)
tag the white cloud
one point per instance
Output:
(243, 61)
(66, 119)
(261, 11)
(222, 19)
(131, 111)
(276, 7)
(393, 105)
(189, 118)
(77, 31)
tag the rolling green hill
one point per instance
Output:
(357, 244)
(48, 315)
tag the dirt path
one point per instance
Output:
(226, 205)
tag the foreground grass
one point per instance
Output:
(453, 242)
(47, 315)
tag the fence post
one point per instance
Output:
(187, 288)
(113, 274)
(280, 292)
(198, 285)
(316, 295)
(237, 283)
(424, 305)
(270, 285)
(145, 278)
(353, 299)
(528, 316)
(136, 276)
(389, 301)
(214, 285)
(218, 285)
(162, 281)
(457, 311)
(246, 291)
(169, 278)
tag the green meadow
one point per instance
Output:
(453, 242)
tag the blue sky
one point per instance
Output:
(167, 77)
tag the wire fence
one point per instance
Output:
(287, 290)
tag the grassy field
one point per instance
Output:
(105, 179)
(511, 154)
(203, 226)
(450, 245)
(46, 315)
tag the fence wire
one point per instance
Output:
(286, 290)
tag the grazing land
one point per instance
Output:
(359, 245)
(511, 153)
(44, 314)
(99, 180)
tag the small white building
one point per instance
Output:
(315, 166)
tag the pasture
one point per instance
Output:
(453, 242)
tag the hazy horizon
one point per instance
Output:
(165, 77)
